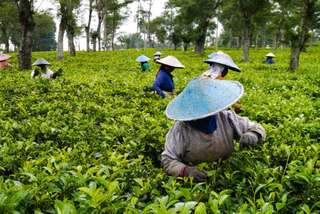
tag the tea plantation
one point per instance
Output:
(90, 141)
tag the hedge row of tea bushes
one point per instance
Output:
(90, 141)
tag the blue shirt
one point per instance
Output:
(269, 60)
(163, 82)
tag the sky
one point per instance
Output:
(128, 26)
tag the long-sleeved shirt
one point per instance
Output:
(163, 82)
(188, 146)
(269, 60)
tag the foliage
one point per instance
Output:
(90, 141)
(44, 33)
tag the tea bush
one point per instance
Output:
(90, 141)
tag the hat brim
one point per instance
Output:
(202, 98)
(231, 67)
(167, 64)
(4, 58)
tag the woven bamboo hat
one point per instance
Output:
(4, 57)
(270, 55)
(157, 53)
(223, 59)
(170, 61)
(204, 97)
(41, 61)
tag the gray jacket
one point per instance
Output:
(188, 146)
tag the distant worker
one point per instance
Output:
(4, 61)
(144, 62)
(269, 59)
(163, 83)
(156, 56)
(43, 70)
(205, 131)
(219, 63)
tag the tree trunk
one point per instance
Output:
(294, 59)
(94, 42)
(62, 28)
(201, 38)
(246, 39)
(27, 26)
(185, 46)
(70, 35)
(299, 44)
(100, 20)
(7, 46)
(87, 28)
(149, 19)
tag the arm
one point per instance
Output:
(171, 157)
(249, 132)
(157, 83)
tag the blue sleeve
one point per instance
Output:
(157, 83)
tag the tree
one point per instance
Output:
(67, 23)
(44, 33)
(198, 15)
(113, 17)
(301, 18)
(25, 12)
(87, 28)
(9, 22)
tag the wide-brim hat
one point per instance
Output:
(41, 61)
(157, 53)
(170, 61)
(142, 58)
(204, 97)
(223, 59)
(270, 55)
(4, 57)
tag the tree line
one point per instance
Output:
(183, 23)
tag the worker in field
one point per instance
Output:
(270, 58)
(156, 56)
(205, 130)
(163, 84)
(43, 70)
(4, 61)
(219, 65)
(143, 62)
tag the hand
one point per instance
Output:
(194, 172)
(248, 139)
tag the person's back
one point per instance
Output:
(145, 66)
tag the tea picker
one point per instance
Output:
(144, 62)
(219, 64)
(4, 61)
(43, 70)
(156, 56)
(163, 84)
(204, 130)
(270, 58)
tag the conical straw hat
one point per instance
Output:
(4, 57)
(223, 59)
(157, 53)
(270, 55)
(142, 58)
(41, 61)
(204, 97)
(170, 61)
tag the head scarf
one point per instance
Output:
(206, 125)
(214, 71)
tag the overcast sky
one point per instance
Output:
(129, 26)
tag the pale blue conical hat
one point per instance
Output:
(142, 58)
(204, 97)
(223, 59)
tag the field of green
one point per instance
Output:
(90, 141)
